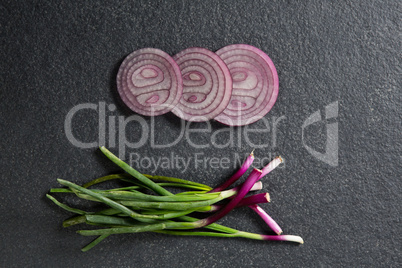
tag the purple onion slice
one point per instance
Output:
(207, 85)
(255, 84)
(149, 82)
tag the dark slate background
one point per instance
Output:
(59, 54)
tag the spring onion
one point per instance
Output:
(132, 209)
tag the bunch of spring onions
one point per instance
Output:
(147, 206)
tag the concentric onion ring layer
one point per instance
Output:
(255, 84)
(207, 85)
(149, 82)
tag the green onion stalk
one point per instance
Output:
(252, 178)
(132, 211)
(247, 163)
(255, 207)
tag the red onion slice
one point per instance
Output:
(149, 82)
(255, 84)
(207, 85)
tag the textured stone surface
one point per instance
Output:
(58, 54)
